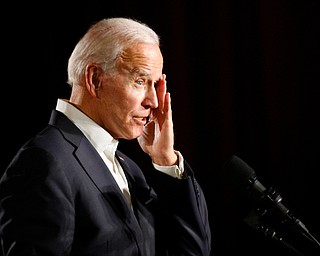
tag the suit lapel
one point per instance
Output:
(104, 181)
(141, 193)
(97, 171)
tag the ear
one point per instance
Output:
(93, 82)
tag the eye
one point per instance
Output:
(140, 83)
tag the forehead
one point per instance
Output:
(142, 58)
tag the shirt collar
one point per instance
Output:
(99, 138)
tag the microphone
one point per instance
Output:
(267, 213)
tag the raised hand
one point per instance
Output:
(157, 139)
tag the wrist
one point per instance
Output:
(166, 160)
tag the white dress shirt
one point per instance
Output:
(106, 146)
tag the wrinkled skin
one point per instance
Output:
(133, 103)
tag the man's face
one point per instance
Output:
(129, 96)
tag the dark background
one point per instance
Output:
(244, 79)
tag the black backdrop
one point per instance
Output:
(244, 79)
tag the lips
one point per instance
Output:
(142, 120)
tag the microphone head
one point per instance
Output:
(239, 173)
(239, 180)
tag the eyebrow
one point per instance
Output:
(140, 72)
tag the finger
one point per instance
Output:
(161, 92)
(167, 103)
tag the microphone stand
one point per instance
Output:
(261, 219)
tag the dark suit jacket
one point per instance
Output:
(58, 198)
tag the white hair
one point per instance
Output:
(104, 42)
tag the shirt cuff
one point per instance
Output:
(176, 171)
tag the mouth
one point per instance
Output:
(142, 120)
(148, 119)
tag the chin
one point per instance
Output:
(134, 134)
(138, 134)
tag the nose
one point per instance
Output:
(151, 98)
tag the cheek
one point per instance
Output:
(127, 99)
(121, 99)
(121, 103)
